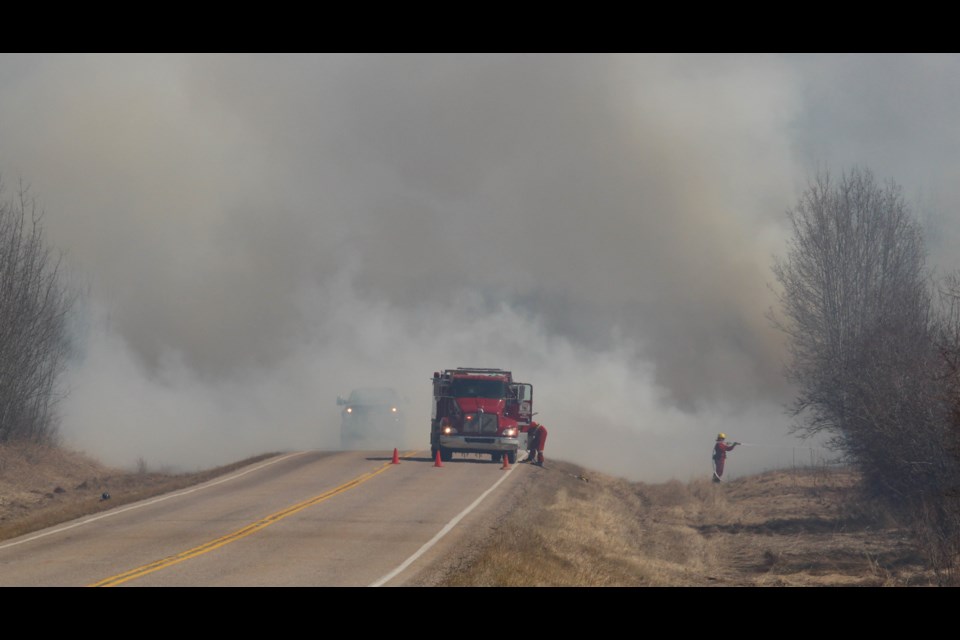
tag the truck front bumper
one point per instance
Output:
(479, 444)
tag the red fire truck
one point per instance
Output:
(482, 411)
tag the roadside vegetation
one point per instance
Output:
(788, 528)
(874, 338)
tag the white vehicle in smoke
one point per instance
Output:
(372, 418)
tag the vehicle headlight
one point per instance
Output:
(447, 431)
(510, 432)
(349, 409)
(394, 409)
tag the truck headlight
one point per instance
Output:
(510, 432)
(448, 431)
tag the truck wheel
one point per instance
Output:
(445, 455)
(512, 457)
(495, 457)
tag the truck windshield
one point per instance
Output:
(466, 388)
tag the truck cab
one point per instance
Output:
(481, 411)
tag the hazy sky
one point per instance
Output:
(260, 233)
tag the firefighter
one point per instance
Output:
(720, 450)
(536, 439)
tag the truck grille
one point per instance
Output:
(480, 423)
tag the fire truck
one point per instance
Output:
(479, 411)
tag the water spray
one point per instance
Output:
(820, 452)
(779, 446)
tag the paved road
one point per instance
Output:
(302, 519)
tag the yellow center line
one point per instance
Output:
(237, 535)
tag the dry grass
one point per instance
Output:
(574, 528)
(781, 528)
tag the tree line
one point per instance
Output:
(874, 340)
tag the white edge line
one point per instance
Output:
(146, 503)
(450, 525)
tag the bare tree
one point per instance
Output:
(34, 338)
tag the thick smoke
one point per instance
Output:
(259, 234)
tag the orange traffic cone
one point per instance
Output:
(396, 457)
(506, 463)
(438, 463)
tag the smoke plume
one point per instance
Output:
(260, 233)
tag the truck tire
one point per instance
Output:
(495, 457)
(512, 457)
(445, 455)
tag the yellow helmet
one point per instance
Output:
(721, 436)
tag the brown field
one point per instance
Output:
(794, 528)
(575, 528)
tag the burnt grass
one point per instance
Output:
(804, 527)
